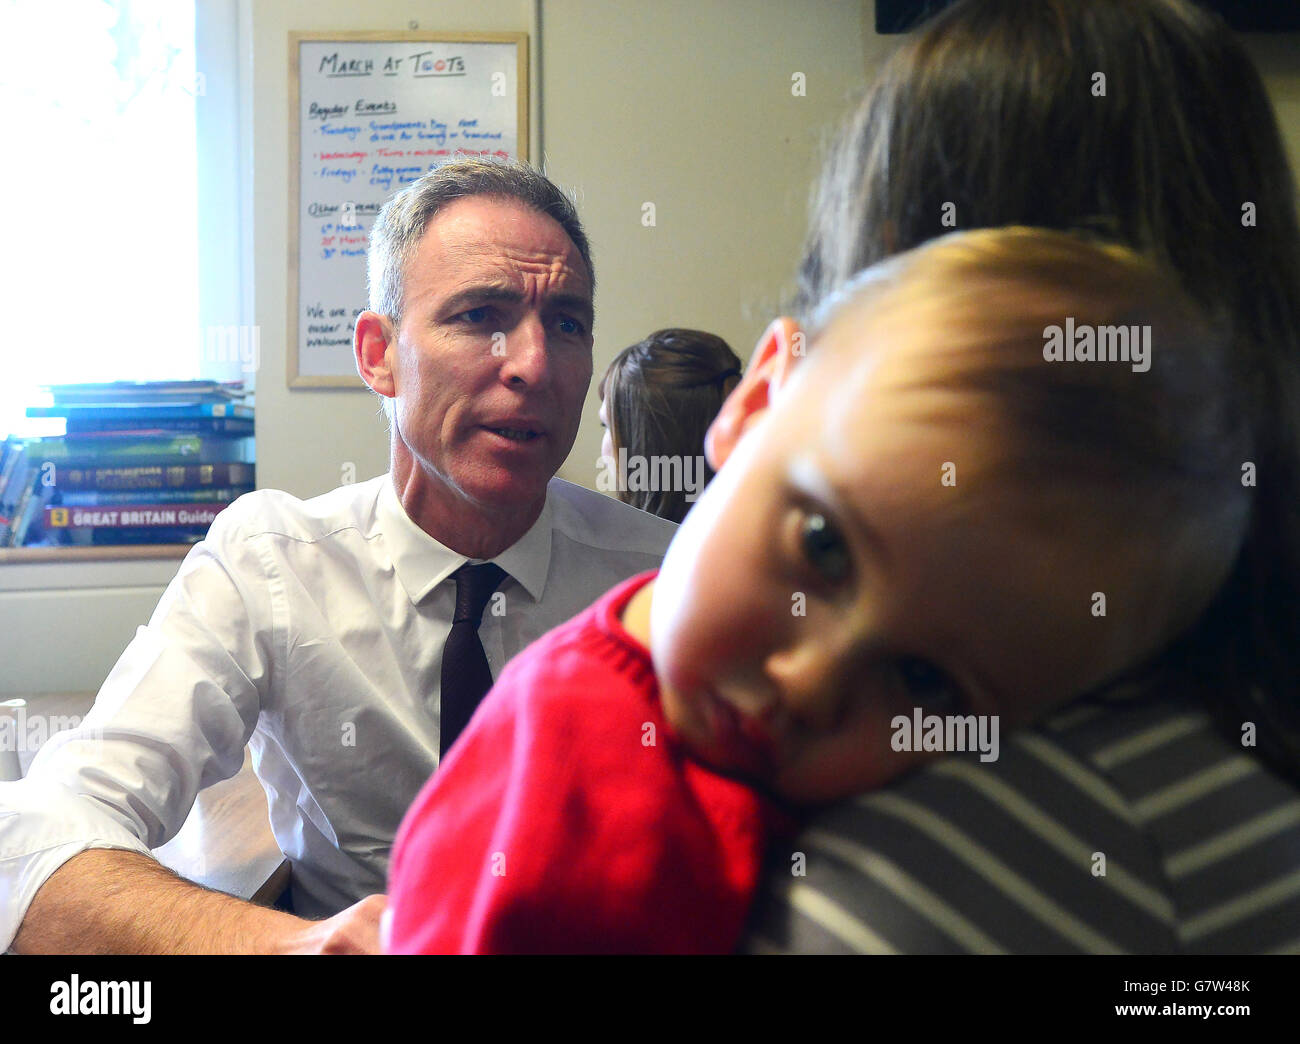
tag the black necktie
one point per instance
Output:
(466, 676)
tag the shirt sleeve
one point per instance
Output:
(172, 717)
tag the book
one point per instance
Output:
(98, 498)
(117, 411)
(90, 451)
(125, 535)
(13, 448)
(155, 476)
(31, 482)
(19, 480)
(29, 510)
(230, 426)
(146, 391)
(133, 516)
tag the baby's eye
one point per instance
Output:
(824, 548)
(927, 684)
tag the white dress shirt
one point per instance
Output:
(314, 631)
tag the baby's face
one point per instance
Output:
(857, 558)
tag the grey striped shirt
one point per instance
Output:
(1107, 829)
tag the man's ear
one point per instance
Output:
(778, 351)
(370, 342)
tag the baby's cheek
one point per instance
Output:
(744, 629)
(854, 761)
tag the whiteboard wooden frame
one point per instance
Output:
(520, 40)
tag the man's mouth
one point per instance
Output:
(516, 434)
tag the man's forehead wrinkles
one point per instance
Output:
(464, 244)
(494, 264)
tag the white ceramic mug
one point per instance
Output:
(11, 712)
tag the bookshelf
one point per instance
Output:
(99, 553)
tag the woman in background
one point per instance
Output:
(658, 398)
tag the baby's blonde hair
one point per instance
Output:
(1156, 447)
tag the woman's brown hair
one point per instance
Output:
(1145, 122)
(661, 395)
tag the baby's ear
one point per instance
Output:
(778, 351)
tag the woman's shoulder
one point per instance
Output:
(1132, 827)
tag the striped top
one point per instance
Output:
(1106, 829)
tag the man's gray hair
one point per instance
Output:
(402, 222)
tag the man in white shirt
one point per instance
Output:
(314, 630)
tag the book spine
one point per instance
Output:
(108, 453)
(31, 512)
(146, 411)
(78, 425)
(156, 535)
(20, 509)
(13, 449)
(100, 498)
(64, 448)
(154, 476)
(126, 535)
(135, 516)
(14, 490)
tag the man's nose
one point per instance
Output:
(526, 358)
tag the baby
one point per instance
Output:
(930, 509)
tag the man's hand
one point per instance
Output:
(354, 930)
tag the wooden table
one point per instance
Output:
(226, 843)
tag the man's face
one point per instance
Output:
(493, 356)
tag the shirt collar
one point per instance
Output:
(422, 563)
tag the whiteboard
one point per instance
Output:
(369, 113)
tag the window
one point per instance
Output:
(120, 193)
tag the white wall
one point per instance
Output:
(689, 106)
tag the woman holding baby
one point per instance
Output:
(1155, 811)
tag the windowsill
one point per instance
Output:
(45, 571)
(106, 553)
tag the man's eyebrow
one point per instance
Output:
(485, 293)
(470, 296)
(807, 478)
(572, 302)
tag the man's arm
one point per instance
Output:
(113, 901)
(173, 716)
